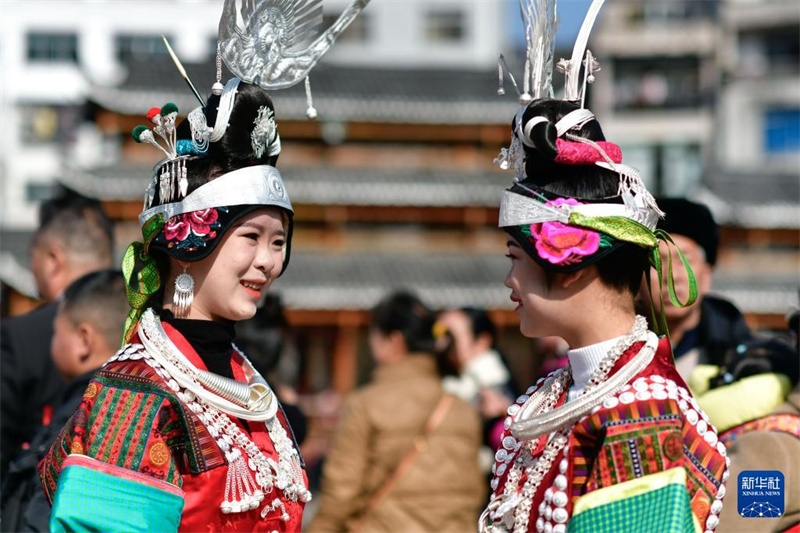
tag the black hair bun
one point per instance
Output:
(235, 149)
(541, 150)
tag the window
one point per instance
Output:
(53, 47)
(774, 51)
(356, 32)
(140, 47)
(657, 83)
(782, 130)
(445, 26)
(46, 123)
(672, 11)
(666, 169)
(39, 192)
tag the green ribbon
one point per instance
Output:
(142, 279)
(627, 230)
(621, 228)
(660, 321)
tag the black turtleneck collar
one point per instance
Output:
(211, 340)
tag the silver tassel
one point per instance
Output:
(163, 184)
(311, 113)
(183, 182)
(501, 91)
(241, 492)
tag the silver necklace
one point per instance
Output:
(249, 478)
(511, 510)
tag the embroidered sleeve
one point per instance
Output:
(97, 496)
(655, 426)
(134, 430)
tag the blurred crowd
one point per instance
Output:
(412, 448)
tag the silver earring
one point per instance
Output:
(184, 293)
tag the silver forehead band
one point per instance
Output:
(256, 185)
(516, 210)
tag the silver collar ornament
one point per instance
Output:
(252, 476)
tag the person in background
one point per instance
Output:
(87, 330)
(473, 355)
(554, 350)
(405, 456)
(480, 375)
(74, 237)
(701, 334)
(758, 417)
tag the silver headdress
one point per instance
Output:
(540, 21)
(271, 43)
(275, 43)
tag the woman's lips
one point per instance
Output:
(250, 289)
(516, 301)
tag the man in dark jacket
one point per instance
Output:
(87, 331)
(703, 333)
(74, 238)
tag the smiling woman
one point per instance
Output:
(178, 431)
(231, 281)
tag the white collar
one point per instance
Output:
(584, 361)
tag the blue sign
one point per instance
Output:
(761, 493)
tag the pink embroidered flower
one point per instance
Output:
(561, 244)
(201, 220)
(177, 228)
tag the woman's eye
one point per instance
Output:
(279, 243)
(253, 236)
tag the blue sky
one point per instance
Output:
(571, 13)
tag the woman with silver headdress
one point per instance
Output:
(178, 431)
(614, 441)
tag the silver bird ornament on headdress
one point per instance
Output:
(275, 43)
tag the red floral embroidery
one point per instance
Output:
(192, 230)
(176, 228)
(201, 220)
(561, 244)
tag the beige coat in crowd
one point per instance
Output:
(765, 450)
(442, 491)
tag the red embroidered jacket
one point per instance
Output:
(652, 425)
(132, 421)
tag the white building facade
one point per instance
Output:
(52, 53)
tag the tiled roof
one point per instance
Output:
(409, 96)
(319, 281)
(331, 186)
(326, 281)
(428, 188)
(15, 275)
(15, 261)
(753, 200)
(358, 281)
